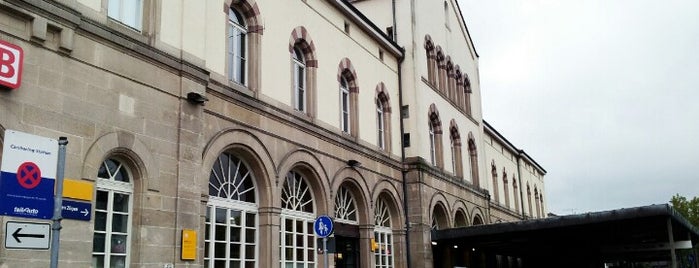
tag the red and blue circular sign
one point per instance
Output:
(28, 175)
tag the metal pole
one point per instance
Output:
(325, 252)
(58, 202)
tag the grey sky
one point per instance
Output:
(604, 94)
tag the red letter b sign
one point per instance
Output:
(11, 57)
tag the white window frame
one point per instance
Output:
(300, 83)
(112, 187)
(116, 9)
(229, 204)
(453, 157)
(345, 116)
(383, 236)
(345, 207)
(433, 151)
(381, 124)
(233, 51)
(306, 218)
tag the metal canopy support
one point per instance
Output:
(671, 239)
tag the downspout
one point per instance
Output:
(402, 141)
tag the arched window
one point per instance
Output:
(494, 173)
(431, 61)
(473, 157)
(439, 217)
(111, 244)
(506, 190)
(541, 200)
(450, 90)
(455, 137)
(380, 125)
(383, 235)
(529, 200)
(231, 215)
(383, 118)
(345, 207)
(297, 240)
(299, 80)
(435, 137)
(344, 105)
(515, 193)
(477, 220)
(441, 70)
(433, 145)
(536, 201)
(467, 95)
(237, 47)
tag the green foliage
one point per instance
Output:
(688, 208)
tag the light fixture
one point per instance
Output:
(196, 98)
(434, 243)
(353, 163)
(456, 246)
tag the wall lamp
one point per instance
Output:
(196, 98)
(353, 163)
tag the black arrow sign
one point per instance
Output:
(17, 235)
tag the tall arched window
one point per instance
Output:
(536, 201)
(231, 215)
(477, 220)
(380, 125)
(111, 244)
(460, 219)
(541, 201)
(383, 118)
(515, 193)
(473, 157)
(297, 241)
(467, 95)
(529, 200)
(237, 47)
(433, 145)
(299, 80)
(431, 61)
(344, 105)
(441, 70)
(494, 173)
(506, 190)
(383, 235)
(455, 138)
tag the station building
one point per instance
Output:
(244, 120)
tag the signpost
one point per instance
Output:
(28, 175)
(323, 227)
(27, 235)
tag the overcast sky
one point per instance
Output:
(604, 94)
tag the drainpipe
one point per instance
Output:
(402, 142)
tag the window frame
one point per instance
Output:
(380, 125)
(297, 214)
(345, 106)
(300, 76)
(232, 51)
(116, 12)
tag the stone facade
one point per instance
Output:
(121, 92)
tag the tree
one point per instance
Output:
(688, 208)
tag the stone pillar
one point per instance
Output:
(269, 219)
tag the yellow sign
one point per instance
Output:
(374, 245)
(189, 244)
(77, 189)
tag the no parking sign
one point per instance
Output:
(28, 175)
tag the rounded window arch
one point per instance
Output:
(237, 47)
(383, 118)
(477, 220)
(345, 207)
(113, 212)
(349, 91)
(244, 36)
(304, 67)
(435, 136)
(473, 160)
(455, 138)
(231, 213)
(440, 220)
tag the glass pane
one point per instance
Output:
(299, 240)
(289, 253)
(221, 215)
(250, 220)
(250, 252)
(98, 242)
(234, 264)
(311, 254)
(299, 254)
(250, 235)
(219, 250)
(118, 244)
(235, 251)
(219, 264)
(121, 202)
(98, 261)
(288, 239)
(206, 250)
(100, 221)
(101, 202)
(235, 234)
(250, 264)
(235, 218)
(220, 233)
(289, 224)
(117, 261)
(120, 223)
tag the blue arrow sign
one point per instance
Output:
(323, 226)
(76, 210)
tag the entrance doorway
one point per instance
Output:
(346, 246)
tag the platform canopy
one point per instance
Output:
(631, 235)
